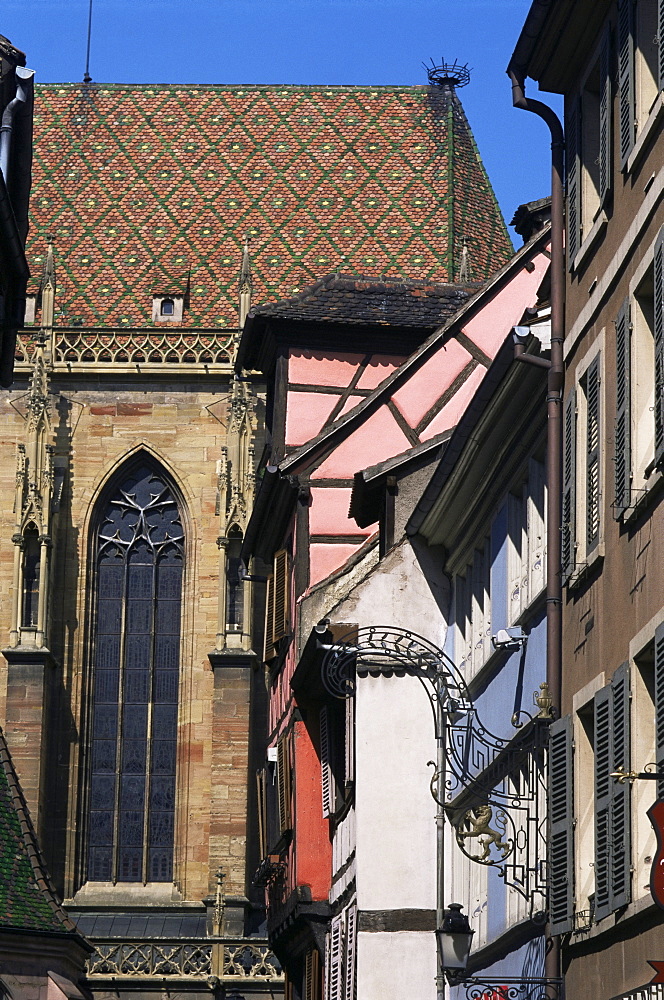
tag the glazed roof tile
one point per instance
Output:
(347, 298)
(27, 899)
(136, 180)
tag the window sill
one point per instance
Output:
(645, 134)
(617, 919)
(583, 570)
(597, 228)
(643, 498)
(127, 894)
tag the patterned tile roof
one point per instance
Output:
(27, 898)
(142, 184)
(347, 298)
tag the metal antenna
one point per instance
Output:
(86, 76)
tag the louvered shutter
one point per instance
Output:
(593, 498)
(268, 640)
(349, 963)
(659, 347)
(659, 705)
(326, 772)
(660, 43)
(620, 852)
(312, 975)
(573, 166)
(627, 110)
(335, 960)
(602, 800)
(349, 741)
(568, 528)
(261, 802)
(284, 783)
(561, 847)
(605, 108)
(623, 452)
(281, 584)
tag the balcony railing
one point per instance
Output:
(230, 961)
(76, 348)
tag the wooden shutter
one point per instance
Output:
(568, 528)
(573, 165)
(349, 963)
(335, 960)
(613, 842)
(605, 109)
(659, 705)
(312, 975)
(627, 109)
(621, 839)
(658, 275)
(349, 741)
(284, 782)
(623, 454)
(602, 800)
(268, 639)
(593, 497)
(261, 801)
(328, 784)
(660, 43)
(281, 585)
(536, 529)
(561, 847)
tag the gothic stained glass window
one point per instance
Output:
(135, 682)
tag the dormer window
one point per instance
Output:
(167, 308)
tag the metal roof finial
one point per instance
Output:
(447, 74)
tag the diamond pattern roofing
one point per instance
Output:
(139, 184)
(27, 899)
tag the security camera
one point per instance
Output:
(505, 638)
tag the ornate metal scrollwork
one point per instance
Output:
(493, 787)
(478, 988)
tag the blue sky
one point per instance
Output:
(302, 41)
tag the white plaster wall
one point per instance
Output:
(405, 590)
(395, 815)
(399, 965)
(394, 811)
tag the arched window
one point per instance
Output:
(139, 562)
(167, 307)
(234, 585)
(30, 578)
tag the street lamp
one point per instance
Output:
(454, 940)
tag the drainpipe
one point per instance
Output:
(24, 79)
(554, 404)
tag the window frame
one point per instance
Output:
(579, 550)
(111, 489)
(639, 355)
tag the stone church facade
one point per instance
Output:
(132, 702)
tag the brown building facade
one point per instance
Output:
(607, 59)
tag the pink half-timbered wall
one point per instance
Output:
(430, 400)
(436, 386)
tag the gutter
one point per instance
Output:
(555, 379)
(25, 82)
